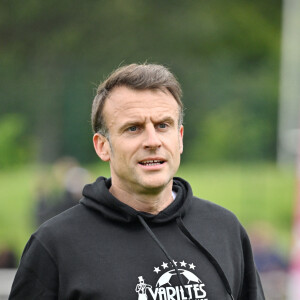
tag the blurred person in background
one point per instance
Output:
(142, 222)
(271, 263)
(8, 258)
(60, 190)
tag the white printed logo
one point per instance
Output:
(165, 289)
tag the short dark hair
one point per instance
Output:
(139, 77)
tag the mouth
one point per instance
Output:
(151, 162)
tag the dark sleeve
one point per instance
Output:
(37, 276)
(251, 288)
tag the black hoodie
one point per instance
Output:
(104, 249)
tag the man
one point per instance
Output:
(142, 222)
(141, 289)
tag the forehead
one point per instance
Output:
(124, 101)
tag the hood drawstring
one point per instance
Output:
(209, 256)
(143, 222)
(211, 259)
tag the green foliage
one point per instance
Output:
(231, 133)
(54, 53)
(17, 207)
(15, 148)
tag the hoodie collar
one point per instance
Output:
(97, 197)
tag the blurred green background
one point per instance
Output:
(226, 54)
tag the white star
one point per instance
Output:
(164, 265)
(156, 269)
(175, 262)
(183, 263)
(192, 266)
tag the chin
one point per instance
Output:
(156, 184)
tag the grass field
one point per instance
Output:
(252, 192)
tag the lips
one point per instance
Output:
(151, 162)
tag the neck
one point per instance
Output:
(145, 202)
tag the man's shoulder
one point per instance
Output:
(210, 210)
(65, 216)
(62, 224)
(211, 222)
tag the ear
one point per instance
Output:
(102, 147)
(181, 139)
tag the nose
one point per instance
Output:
(152, 140)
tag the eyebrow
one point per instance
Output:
(169, 120)
(136, 122)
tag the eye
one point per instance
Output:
(132, 128)
(162, 125)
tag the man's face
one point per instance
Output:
(145, 141)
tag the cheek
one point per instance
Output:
(180, 145)
(122, 150)
(173, 146)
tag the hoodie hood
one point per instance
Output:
(96, 196)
